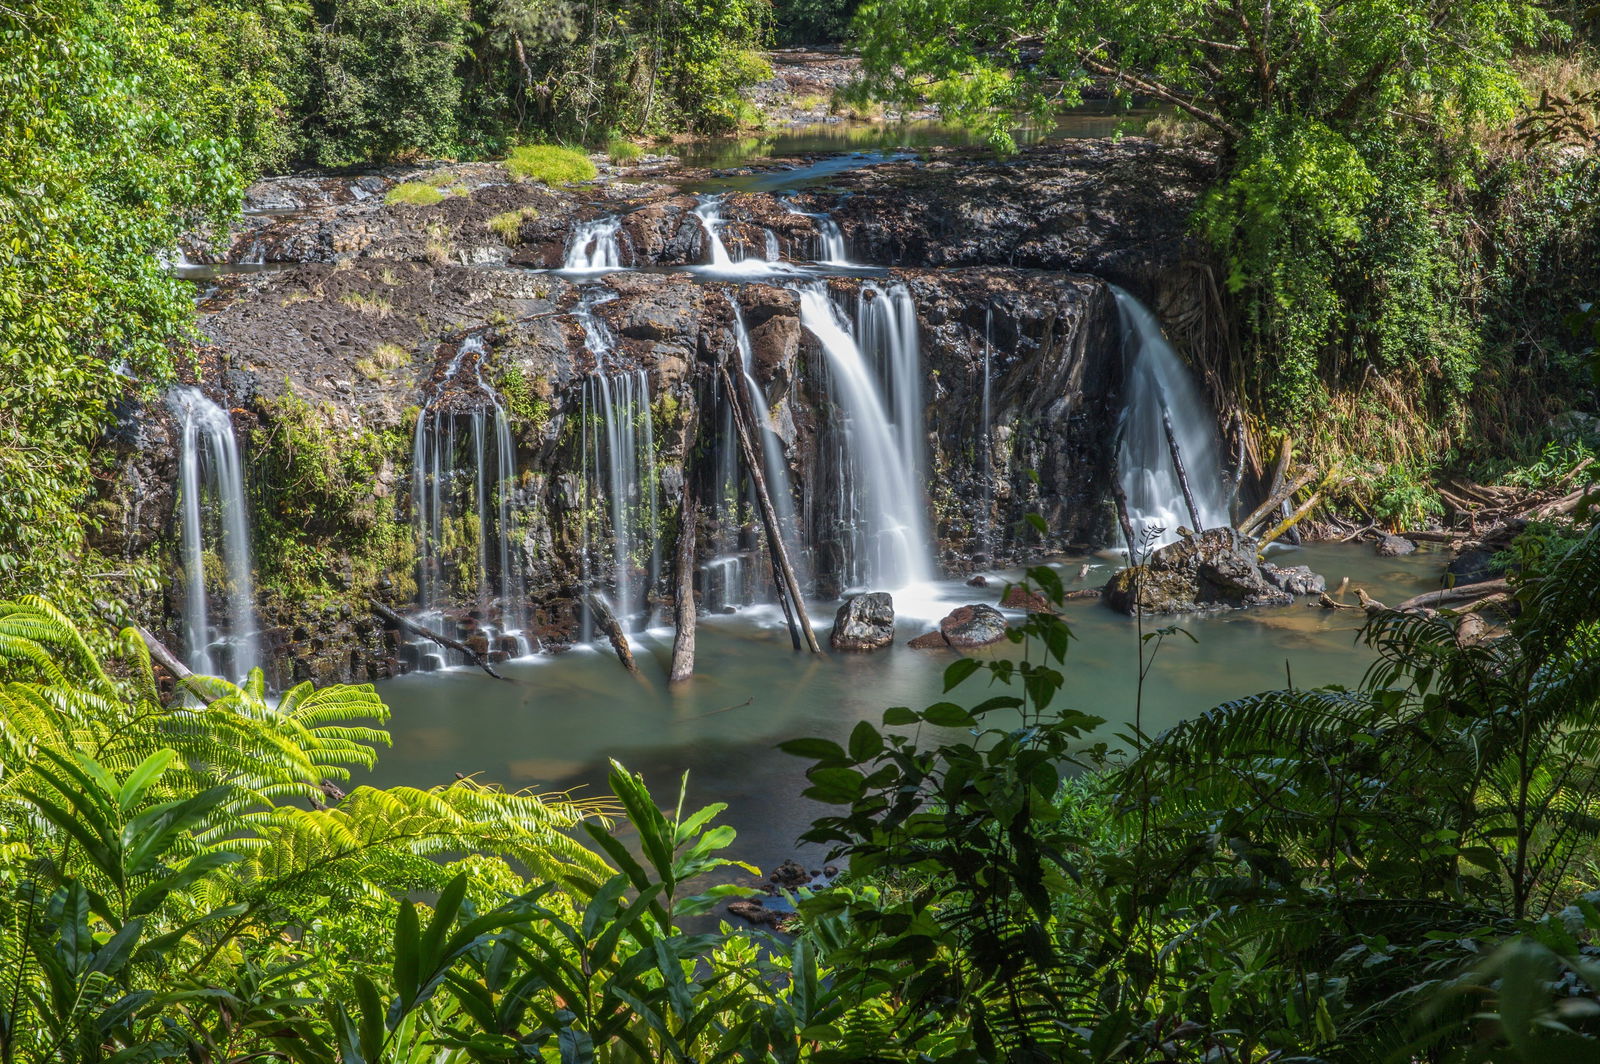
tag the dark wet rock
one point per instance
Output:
(1216, 569)
(1295, 579)
(790, 875)
(930, 641)
(1474, 565)
(864, 622)
(978, 581)
(1393, 547)
(971, 627)
(1022, 598)
(761, 915)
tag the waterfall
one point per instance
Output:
(830, 246)
(463, 468)
(884, 503)
(594, 246)
(1158, 384)
(210, 478)
(720, 260)
(986, 438)
(619, 454)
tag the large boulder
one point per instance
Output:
(970, 627)
(1393, 547)
(864, 622)
(1211, 570)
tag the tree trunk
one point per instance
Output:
(683, 606)
(407, 624)
(800, 624)
(1183, 474)
(608, 624)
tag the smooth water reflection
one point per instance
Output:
(563, 716)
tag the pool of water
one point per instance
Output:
(560, 717)
(832, 148)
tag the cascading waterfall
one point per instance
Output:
(986, 439)
(210, 478)
(594, 246)
(720, 260)
(882, 452)
(830, 249)
(1158, 385)
(463, 478)
(619, 450)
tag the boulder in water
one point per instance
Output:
(970, 627)
(1022, 598)
(1214, 570)
(1295, 579)
(1393, 546)
(864, 622)
(978, 581)
(930, 641)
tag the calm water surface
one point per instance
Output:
(562, 716)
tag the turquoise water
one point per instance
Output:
(562, 716)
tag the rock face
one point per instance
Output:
(334, 316)
(971, 627)
(864, 622)
(1215, 569)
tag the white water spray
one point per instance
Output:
(1157, 386)
(211, 485)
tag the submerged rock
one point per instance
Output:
(1295, 579)
(970, 627)
(1393, 547)
(1021, 598)
(1216, 569)
(864, 622)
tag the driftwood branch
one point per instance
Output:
(601, 612)
(416, 628)
(1276, 500)
(683, 610)
(1451, 596)
(800, 623)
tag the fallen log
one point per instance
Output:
(162, 656)
(1177, 467)
(409, 625)
(683, 610)
(1434, 600)
(601, 612)
(1276, 500)
(789, 589)
(1328, 602)
(1300, 512)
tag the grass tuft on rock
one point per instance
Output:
(508, 226)
(621, 151)
(550, 164)
(414, 194)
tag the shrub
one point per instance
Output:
(414, 194)
(549, 163)
(622, 151)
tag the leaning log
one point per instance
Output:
(800, 623)
(1452, 596)
(1183, 474)
(162, 656)
(1300, 511)
(683, 611)
(1276, 500)
(416, 628)
(601, 612)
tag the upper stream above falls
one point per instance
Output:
(532, 383)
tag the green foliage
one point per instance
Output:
(322, 526)
(382, 81)
(109, 152)
(550, 164)
(508, 225)
(812, 21)
(621, 151)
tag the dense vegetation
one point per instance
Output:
(1376, 873)
(1400, 215)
